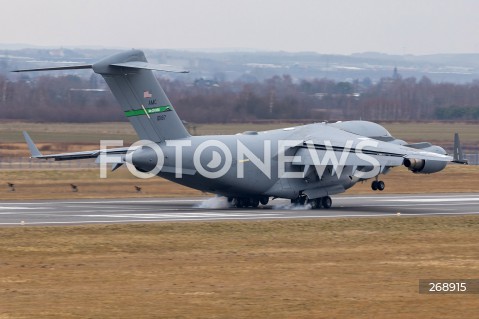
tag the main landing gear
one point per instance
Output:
(242, 202)
(378, 185)
(316, 203)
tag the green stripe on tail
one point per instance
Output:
(150, 110)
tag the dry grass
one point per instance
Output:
(340, 268)
(453, 179)
(55, 184)
(436, 132)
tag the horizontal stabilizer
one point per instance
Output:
(132, 81)
(84, 155)
(70, 67)
(35, 153)
(150, 66)
(132, 65)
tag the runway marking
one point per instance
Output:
(415, 205)
(401, 196)
(107, 201)
(431, 200)
(177, 215)
(26, 223)
(16, 207)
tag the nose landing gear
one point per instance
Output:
(378, 185)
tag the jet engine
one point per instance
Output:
(421, 166)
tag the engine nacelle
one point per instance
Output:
(424, 166)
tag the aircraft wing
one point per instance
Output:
(35, 153)
(424, 155)
(387, 154)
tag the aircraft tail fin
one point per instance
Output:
(144, 103)
(458, 154)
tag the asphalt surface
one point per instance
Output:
(72, 212)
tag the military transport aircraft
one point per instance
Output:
(305, 163)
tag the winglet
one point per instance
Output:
(458, 154)
(33, 148)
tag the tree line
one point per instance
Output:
(75, 99)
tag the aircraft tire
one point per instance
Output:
(239, 202)
(302, 200)
(264, 200)
(326, 202)
(374, 185)
(299, 201)
(381, 185)
(315, 203)
(254, 202)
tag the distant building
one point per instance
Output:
(206, 83)
(396, 75)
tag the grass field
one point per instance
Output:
(337, 268)
(53, 184)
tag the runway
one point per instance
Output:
(71, 212)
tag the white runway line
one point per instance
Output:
(178, 216)
(413, 206)
(405, 196)
(224, 218)
(431, 200)
(16, 207)
(109, 201)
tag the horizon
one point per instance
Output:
(26, 46)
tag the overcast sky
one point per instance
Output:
(335, 26)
